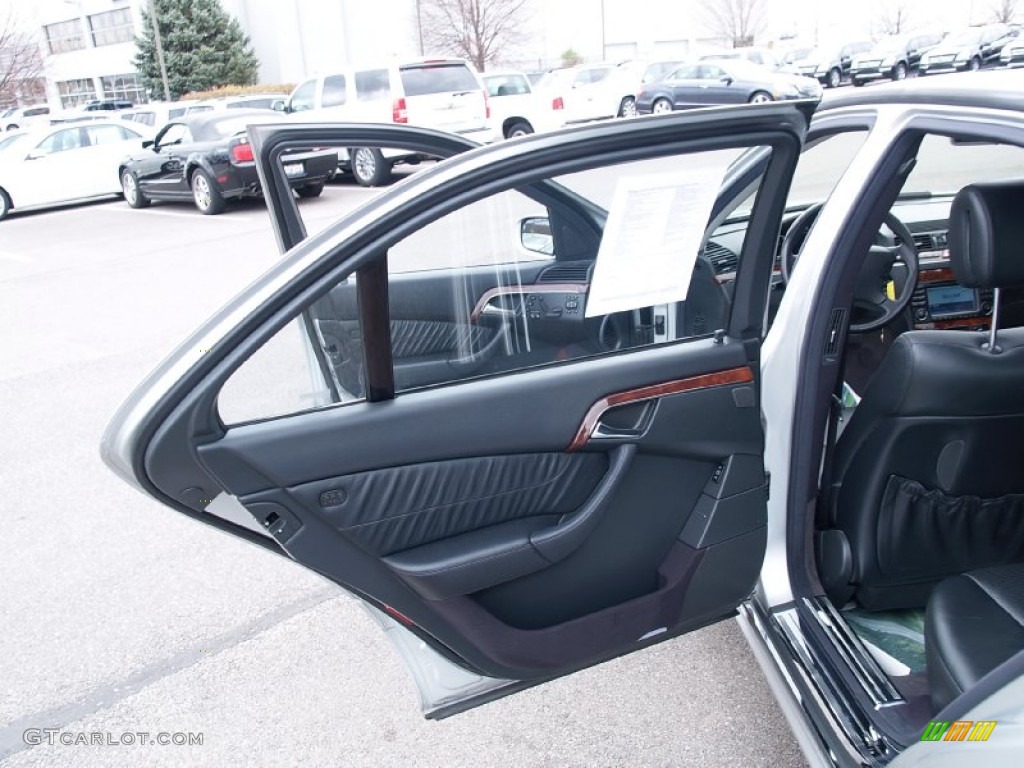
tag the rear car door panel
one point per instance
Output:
(524, 523)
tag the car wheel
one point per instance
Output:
(835, 77)
(370, 167)
(5, 204)
(206, 194)
(661, 106)
(628, 107)
(518, 128)
(311, 190)
(760, 97)
(12, 127)
(975, 64)
(899, 72)
(130, 187)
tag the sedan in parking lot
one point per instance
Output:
(722, 82)
(63, 163)
(207, 158)
(969, 49)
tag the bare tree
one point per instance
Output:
(1004, 11)
(482, 31)
(739, 21)
(21, 65)
(893, 18)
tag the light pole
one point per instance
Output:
(604, 46)
(159, 50)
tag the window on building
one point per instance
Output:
(65, 36)
(123, 88)
(74, 93)
(112, 27)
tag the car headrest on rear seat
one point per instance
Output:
(986, 235)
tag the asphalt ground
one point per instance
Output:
(120, 616)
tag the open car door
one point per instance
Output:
(512, 403)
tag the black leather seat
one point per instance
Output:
(929, 472)
(974, 623)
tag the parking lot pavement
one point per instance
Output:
(119, 615)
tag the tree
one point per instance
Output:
(1004, 11)
(483, 31)
(893, 18)
(570, 58)
(21, 66)
(204, 47)
(738, 21)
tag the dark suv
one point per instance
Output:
(968, 49)
(892, 57)
(831, 65)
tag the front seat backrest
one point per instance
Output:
(929, 473)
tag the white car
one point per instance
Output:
(25, 117)
(594, 91)
(441, 93)
(156, 114)
(273, 101)
(516, 110)
(63, 163)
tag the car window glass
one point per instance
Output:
(61, 141)
(945, 167)
(304, 97)
(711, 72)
(501, 285)
(176, 133)
(426, 79)
(507, 85)
(685, 73)
(373, 85)
(105, 134)
(334, 91)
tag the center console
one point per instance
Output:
(939, 301)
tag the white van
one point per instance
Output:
(442, 93)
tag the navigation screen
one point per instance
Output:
(945, 300)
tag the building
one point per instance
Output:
(88, 48)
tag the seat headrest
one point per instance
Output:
(986, 235)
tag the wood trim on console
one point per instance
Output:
(512, 290)
(939, 275)
(741, 375)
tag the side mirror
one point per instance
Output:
(726, 79)
(278, 105)
(535, 235)
(147, 143)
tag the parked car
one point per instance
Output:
(831, 64)
(1012, 54)
(969, 49)
(26, 117)
(107, 105)
(207, 158)
(722, 81)
(49, 166)
(441, 93)
(275, 101)
(764, 57)
(515, 109)
(479, 481)
(156, 114)
(589, 92)
(9, 138)
(893, 57)
(633, 75)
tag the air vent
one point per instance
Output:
(836, 325)
(923, 241)
(570, 272)
(721, 258)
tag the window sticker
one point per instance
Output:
(653, 236)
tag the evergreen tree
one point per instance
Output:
(204, 47)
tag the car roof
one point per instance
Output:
(202, 119)
(992, 89)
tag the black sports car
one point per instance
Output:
(207, 158)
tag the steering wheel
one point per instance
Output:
(883, 266)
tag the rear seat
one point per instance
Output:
(974, 623)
